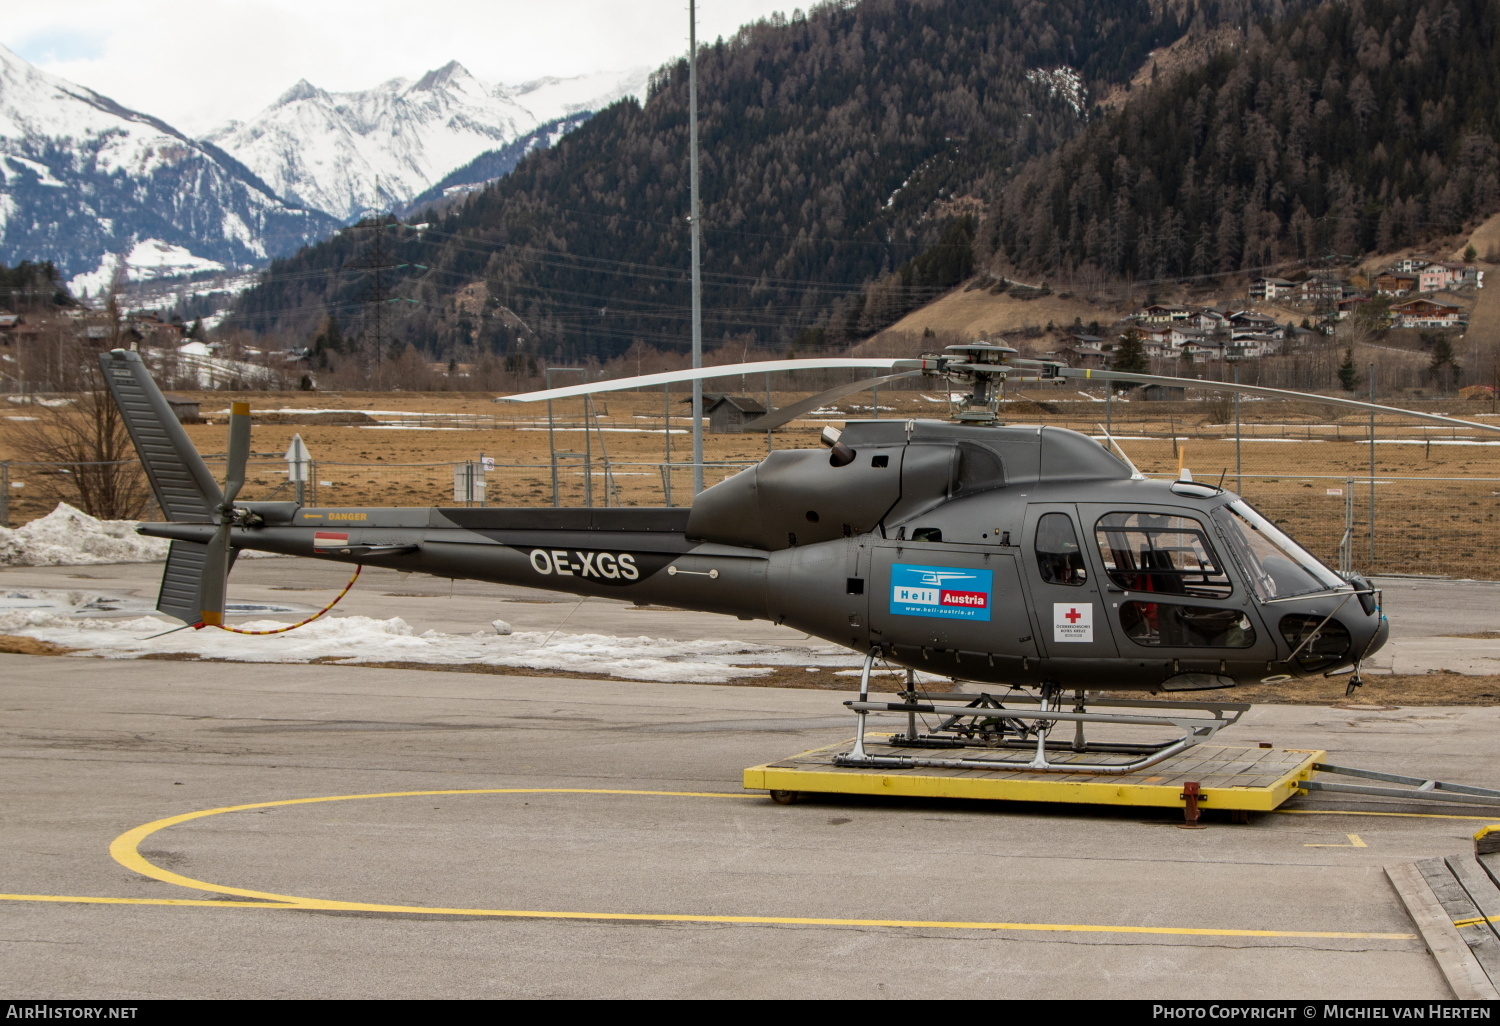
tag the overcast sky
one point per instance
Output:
(197, 63)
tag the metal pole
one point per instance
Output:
(693, 217)
(551, 437)
(875, 392)
(5, 493)
(1239, 480)
(1372, 470)
(768, 410)
(588, 453)
(1109, 409)
(666, 433)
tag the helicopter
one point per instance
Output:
(1029, 560)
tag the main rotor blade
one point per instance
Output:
(726, 371)
(239, 451)
(790, 412)
(215, 578)
(1274, 393)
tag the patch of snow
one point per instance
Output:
(70, 537)
(351, 640)
(638, 431)
(29, 400)
(148, 260)
(1424, 441)
(43, 172)
(1065, 82)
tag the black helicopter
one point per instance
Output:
(1004, 555)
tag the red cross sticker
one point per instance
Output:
(1073, 616)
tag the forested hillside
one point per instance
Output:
(854, 146)
(1352, 127)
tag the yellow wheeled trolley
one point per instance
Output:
(1008, 747)
(1233, 778)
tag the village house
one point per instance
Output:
(1446, 274)
(1411, 265)
(1180, 337)
(1432, 278)
(1270, 288)
(728, 414)
(1250, 347)
(1320, 290)
(1426, 313)
(1348, 304)
(1204, 350)
(1211, 318)
(1392, 283)
(1163, 313)
(1246, 322)
(1079, 355)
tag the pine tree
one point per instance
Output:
(1443, 365)
(1130, 354)
(1348, 373)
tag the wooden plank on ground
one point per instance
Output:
(1466, 978)
(1481, 890)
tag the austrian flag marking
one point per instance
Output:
(330, 540)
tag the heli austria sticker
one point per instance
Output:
(943, 591)
(1072, 621)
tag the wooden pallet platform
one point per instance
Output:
(1230, 777)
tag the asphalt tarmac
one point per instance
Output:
(607, 849)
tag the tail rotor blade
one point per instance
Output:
(239, 450)
(215, 577)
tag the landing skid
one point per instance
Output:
(1023, 723)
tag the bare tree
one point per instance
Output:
(85, 438)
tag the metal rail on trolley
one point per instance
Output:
(1415, 787)
(986, 720)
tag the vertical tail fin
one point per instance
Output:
(184, 489)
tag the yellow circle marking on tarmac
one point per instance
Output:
(125, 850)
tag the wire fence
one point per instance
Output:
(1388, 524)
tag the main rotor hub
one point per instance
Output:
(982, 366)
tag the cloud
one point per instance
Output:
(198, 63)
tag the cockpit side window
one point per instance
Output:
(1058, 555)
(1276, 565)
(1164, 554)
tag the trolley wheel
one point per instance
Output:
(786, 797)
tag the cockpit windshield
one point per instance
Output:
(1276, 565)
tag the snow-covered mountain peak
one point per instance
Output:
(453, 76)
(85, 181)
(326, 150)
(303, 90)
